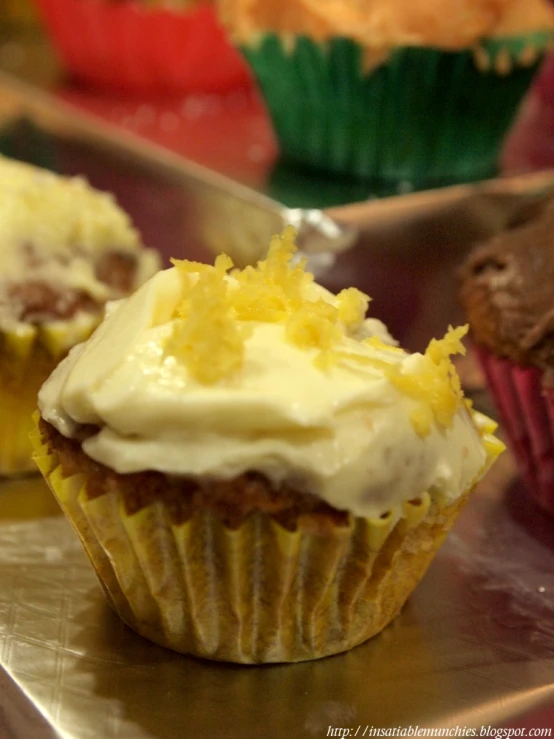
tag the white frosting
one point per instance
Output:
(53, 229)
(344, 434)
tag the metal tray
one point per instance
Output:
(473, 648)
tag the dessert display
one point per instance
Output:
(257, 472)
(506, 290)
(144, 46)
(65, 249)
(417, 94)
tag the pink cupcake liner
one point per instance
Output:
(526, 410)
(129, 47)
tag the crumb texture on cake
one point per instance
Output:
(65, 247)
(448, 24)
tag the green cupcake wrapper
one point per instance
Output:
(424, 116)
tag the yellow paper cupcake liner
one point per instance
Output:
(27, 357)
(256, 594)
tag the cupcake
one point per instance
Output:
(506, 290)
(400, 93)
(256, 471)
(65, 250)
(144, 46)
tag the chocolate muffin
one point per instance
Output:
(507, 293)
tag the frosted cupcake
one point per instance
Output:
(144, 46)
(65, 249)
(418, 92)
(507, 294)
(256, 471)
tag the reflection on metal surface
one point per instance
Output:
(222, 212)
(24, 498)
(450, 218)
(216, 204)
(319, 233)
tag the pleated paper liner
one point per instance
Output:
(129, 46)
(255, 594)
(27, 357)
(527, 412)
(423, 117)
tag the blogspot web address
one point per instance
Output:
(491, 732)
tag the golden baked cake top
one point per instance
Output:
(448, 24)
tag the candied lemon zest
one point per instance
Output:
(214, 306)
(434, 384)
(184, 266)
(352, 307)
(218, 308)
(207, 337)
(274, 289)
(422, 420)
(314, 325)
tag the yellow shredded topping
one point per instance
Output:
(274, 289)
(206, 335)
(216, 314)
(214, 304)
(435, 385)
(352, 305)
(314, 326)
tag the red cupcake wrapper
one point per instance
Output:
(129, 47)
(526, 410)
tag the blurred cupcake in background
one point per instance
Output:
(65, 249)
(506, 290)
(394, 92)
(144, 46)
